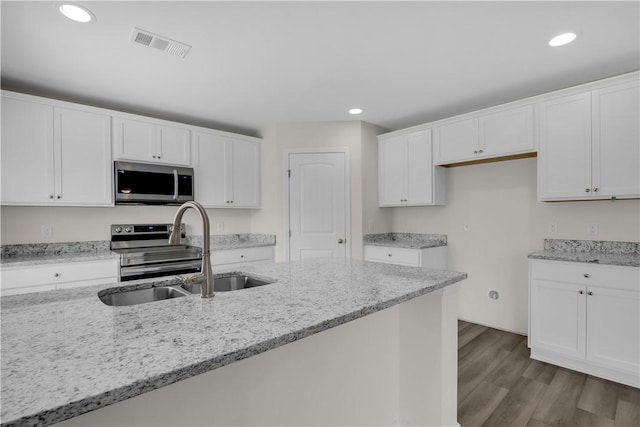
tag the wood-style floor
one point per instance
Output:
(499, 385)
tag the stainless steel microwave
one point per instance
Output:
(142, 183)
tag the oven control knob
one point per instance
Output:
(127, 229)
(118, 229)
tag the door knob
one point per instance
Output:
(340, 241)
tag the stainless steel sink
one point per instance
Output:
(223, 283)
(142, 296)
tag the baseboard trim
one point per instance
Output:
(500, 328)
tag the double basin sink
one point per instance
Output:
(221, 283)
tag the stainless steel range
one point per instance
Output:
(145, 252)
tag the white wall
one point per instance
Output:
(374, 218)
(24, 224)
(358, 137)
(498, 200)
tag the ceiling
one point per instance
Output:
(253, 64)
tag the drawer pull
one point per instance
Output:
(389, 254)
(590, 293)
(581, 292)
(586, 190)
(56, 275)
(587, 275)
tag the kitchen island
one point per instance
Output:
(366, 343)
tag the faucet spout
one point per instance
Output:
(205, 277)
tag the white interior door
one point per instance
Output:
(318, 205)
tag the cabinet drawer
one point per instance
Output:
(58, 274)
(234, 256)
(389, 255)
(584, 273)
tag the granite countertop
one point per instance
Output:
(406, 240)
(52, 253)
(65, 353)
(590, 251)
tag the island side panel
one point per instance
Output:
(387, 368)
(428, 382)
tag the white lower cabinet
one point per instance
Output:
(247, 256)
(586, 317)
(429, 257)
(49, 277)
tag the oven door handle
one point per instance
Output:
(175, 184)
(154, 268)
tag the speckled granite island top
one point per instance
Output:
(590, 251)
(406, 240)
(65, 353)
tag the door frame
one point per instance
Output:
(287, 206)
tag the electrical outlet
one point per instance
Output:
(552, 228)
(46, 230)
(592, 229)
(466, 227)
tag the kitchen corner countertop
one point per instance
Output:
(590, 251)
(406, 240)
(65, 353)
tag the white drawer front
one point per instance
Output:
(56, 274)
(389, 255)
(627, 278)
(585, 273)
(559, 272)
(235, 256)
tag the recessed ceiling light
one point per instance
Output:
(562, 39)
(355, 111)
(77, 13)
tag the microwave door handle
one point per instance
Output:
(175, 184)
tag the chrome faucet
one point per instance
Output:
(205, 277)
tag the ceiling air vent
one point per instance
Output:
(155, 41)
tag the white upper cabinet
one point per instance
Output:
(616, 140)
(83, 153)
(564, 158)
(590, 145)
(406, 175)
(507, 132)
(150, 141)
(488, 135)
(27, 152)
(53, 155)
(227, 170)
(456, 142)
